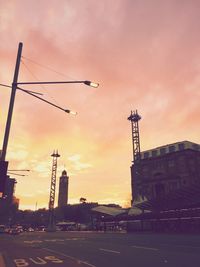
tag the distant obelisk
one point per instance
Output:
(63, 189)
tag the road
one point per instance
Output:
(90, 249)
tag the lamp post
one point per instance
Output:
(3, 163)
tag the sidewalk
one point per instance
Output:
(4, 261)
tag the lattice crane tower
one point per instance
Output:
(51, 226)
(135, 168)
(134, 118)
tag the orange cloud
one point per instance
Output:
(144, 54)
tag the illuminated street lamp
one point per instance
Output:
(3, 163)
(89, 83)
(12, 98)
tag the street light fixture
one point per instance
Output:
(92, 84)
(89, 83)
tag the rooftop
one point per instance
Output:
(170, 148)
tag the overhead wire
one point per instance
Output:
(9, 86)
(49, 68)
(41, 86)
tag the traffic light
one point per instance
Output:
(3, 177)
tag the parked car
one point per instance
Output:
(30, 229)
(7, 230)
(14, 231)
(2, 228)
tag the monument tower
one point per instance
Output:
(63, 189)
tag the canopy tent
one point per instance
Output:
(111, 211)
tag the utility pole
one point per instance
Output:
(3, 163)
(51, 225)
(12, 99)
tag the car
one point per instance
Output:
(14, 231)
(20, 228)
(2, 228)
(7, 230)
(30, 229)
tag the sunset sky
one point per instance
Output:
(145, 54)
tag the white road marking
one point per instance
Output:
(45, 240)
(33, 241)
(36, 260)
(141, 247)
(54, 240)
(182, 246)
(108, 250)
(21, 263)
(75, 238)
(70, 257)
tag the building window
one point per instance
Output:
(192, 165)
(145, 170)
(160, 190)
(181, 146)
(171, 148)
(184, 182)
(171, 163)
(146, 155)
(173, 186)
(195, 146)
(154, 153)
(162, 151)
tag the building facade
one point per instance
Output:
(63, 190)
(165, 169)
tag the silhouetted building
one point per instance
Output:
(16, 202)
(165, 174)
(9, 204)
(10, 190)
(63, 189)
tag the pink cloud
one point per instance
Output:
(144, 54)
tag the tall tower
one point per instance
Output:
(51, 226)
(135, 168)
(63, 189)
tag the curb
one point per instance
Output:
(5, 261)
(2, 262)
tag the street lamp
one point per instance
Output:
(89, 83)
(13, 92)
(3, 163)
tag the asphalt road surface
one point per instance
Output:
(90, 249)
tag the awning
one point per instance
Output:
(109, 210)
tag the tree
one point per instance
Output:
(83, 200)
